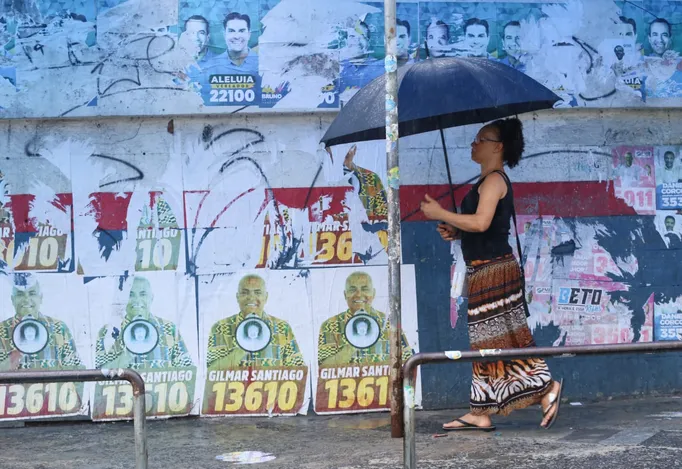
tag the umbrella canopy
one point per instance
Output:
(440, 93)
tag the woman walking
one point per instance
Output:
(497, 308)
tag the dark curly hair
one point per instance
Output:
(510, 132)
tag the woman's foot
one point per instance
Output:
(470, 422)
(550, 404)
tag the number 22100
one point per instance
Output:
(232, 96)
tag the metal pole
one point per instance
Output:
(409, 442)
(66, 376)
(393, 199)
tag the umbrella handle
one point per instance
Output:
(447, 168)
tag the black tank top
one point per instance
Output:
(494, 242)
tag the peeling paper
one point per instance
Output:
(453, 354)
(246, 457)
(409, 396)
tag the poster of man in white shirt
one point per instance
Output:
(668, 178)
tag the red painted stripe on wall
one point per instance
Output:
(565, 199)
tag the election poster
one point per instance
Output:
(35, 218)
(535, 236)
(634, 177)
(662, 48)
(300, 76)
(668, 178)
(129, 231)
(515, 47)
(669, 225)
(360, 46)
(146, 322)
(352, 364)
(455, 29)
(577, 254)
(222, 38)
(256, 342)
(40, 331)
(591, 313)
(668, 320)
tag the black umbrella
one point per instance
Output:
(435, 94)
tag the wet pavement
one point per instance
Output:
(639, 433)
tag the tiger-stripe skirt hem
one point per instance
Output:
(497, 319)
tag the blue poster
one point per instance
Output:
(450, 29)
(668, 178)
(662, 47)
(222, 37)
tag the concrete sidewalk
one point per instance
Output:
(641, 433)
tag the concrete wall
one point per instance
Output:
(198, 196)
(568, 177)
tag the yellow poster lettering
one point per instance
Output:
(34, 398)
(219, 390)
(382, 384)
(348, 393)
(16, 399)
(332, 387)
(328, 240)
(288, 393)
(126, 393)
(254, 396)
(235, 396)
(344, 249)
(366, 392)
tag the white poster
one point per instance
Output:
(352, 366)
(146, 322)
(43, 326)
(256, 342)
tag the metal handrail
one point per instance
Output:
(409, 372)
(64, 376)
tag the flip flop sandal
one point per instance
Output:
(554, 402)
(466, 426)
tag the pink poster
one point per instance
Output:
(587, 314)
(634, 177)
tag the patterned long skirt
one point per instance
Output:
(497, 320)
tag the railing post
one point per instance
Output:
(65, 376)
(412, 365)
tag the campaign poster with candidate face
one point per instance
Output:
(669, 225)
(634, 177)
(222, 37)
(450, 29)
(668, 320)
(301, 75)
(515, 44)
(360, 46)
(256, 342)
(146, 322)
(40, 331)
(35, 218)
(352, 362)
(591, 313)
(668, 178)
(662, 47)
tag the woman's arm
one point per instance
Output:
(491, 191)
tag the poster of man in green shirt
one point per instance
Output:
(254, 348)
(32, 339)
(353, 346)
(151, 331)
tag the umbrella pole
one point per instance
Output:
(447, 169)
(393, 202)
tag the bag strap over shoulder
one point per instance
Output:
(518, 241)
